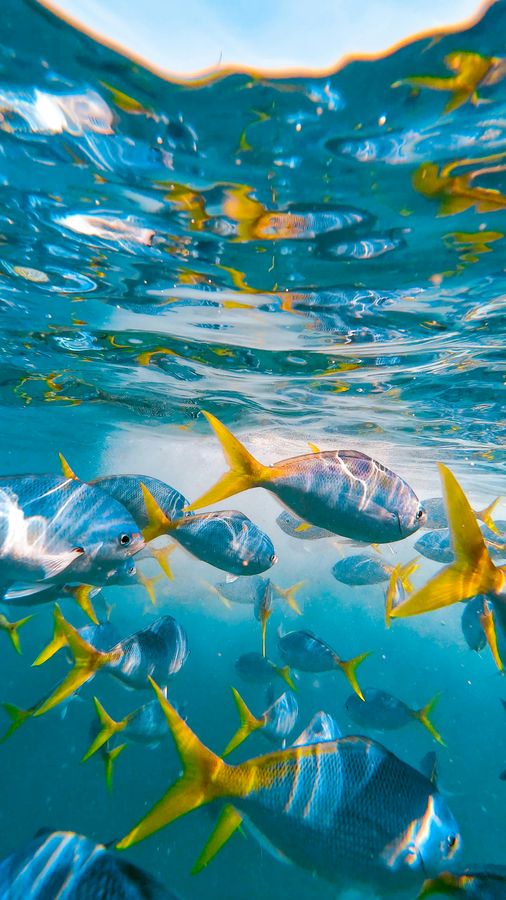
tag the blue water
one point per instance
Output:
(144, 276)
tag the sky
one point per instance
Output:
(185, 36)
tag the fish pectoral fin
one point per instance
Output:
(55, 565)
(228, 822)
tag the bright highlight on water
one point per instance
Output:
(252, 534)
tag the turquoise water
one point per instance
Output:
(317, 259)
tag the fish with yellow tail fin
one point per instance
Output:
(472, 572)
(476, 883)
(472, 70)
(304, 651)
(161, 649)
(362, 570)
(257, 669)
(346, 810)
(385, 712)
(12, 629)
(342, 491)
(276, 723)
(146, 725)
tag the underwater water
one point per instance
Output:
(311, 260)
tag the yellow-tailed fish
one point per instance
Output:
(12, 629)
(343, 491)
(345, 809)
(304, 651)
(385, 712)
(472, 572)
(276, 722)
(471, 71)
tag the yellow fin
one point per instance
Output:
(405, 572)
(473, 571)
(110, 757)
(423, 716)
(87, 662)
(485, 515)
(17, 717)
(109, 727)
(488, 625)
(58, 640)
(82, 596)
(288, 595)
(284, 673)
(12, 629)
(245, 471)
(161, 554)
(159, 523)
(349, 667)
(304, 526)
(214, 590)
(446, 883)
(228, 822)
(204, 779)
(249, 724)
(67, 471)
(313, 447)
(149, 584)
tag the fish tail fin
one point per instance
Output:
(485, 515)
(405, 573)
(228, 822)
(149, 585)
(204, 778)
(67, 471)
(488, 625)
(17, 717)
(472, 572)
(248, 725)
(245, 471)
(82, 596)
(158, 522)
(57, 641)
(284, 673)
(161, 555)
(423, 714)
(12, 629)
(288, 595)
(110, 757)
(349, 667)
(108, 728)
(87, 661)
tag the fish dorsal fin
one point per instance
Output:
(321, 728)
(159, 523)
(67, 471)
(228, 822)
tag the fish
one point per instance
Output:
(304, 651)
(476, 882)
(108, 755)
(258, 669)
(12, 629)
(161, 648)
(288, 595)
(343, 491)
(66, 864)
(437, 518)
(472, 629)
(146, 725)
(275, 723)
(247, 591)
(297, 528)
(437, 545)
(322, 727)
(456, 193)
(362, 570)
(385, 712)
(53, 526)
(472, 572)
(227, 539)
(345, 809)
(263, 612)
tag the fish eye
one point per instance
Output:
(273, 559)
(420, 513)
(451, 841)
(124, 539)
